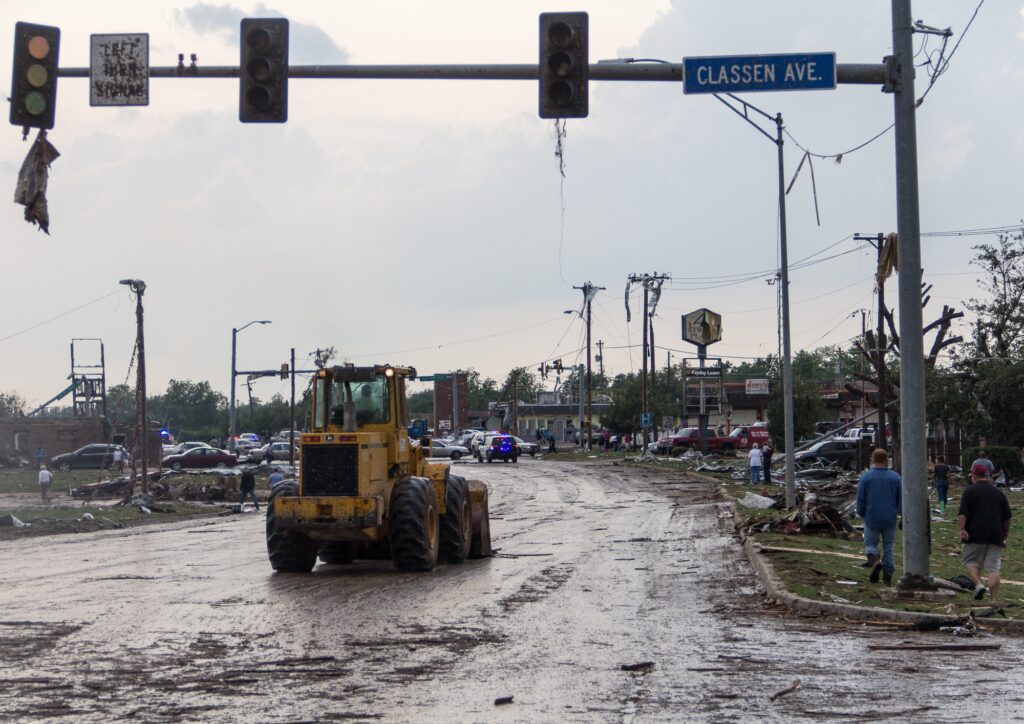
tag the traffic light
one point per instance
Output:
(558, 366)
(284, 371)
(263, 72)
(34, 80)
(564, 68)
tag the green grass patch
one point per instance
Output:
(818, 576)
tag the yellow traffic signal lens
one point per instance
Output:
(35, 103)
(38, 47)
(36, 75)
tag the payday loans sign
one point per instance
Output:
(746, 73)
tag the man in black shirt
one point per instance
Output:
(248, 488)
(984, 520)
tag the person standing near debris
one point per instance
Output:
(118, 460)
(45, 480)
(983, 460)
(984, 520)
(766, 456)
(942, 481)
(249, 488)
(754, 457)
(879, 503)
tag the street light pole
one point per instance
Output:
(232, 409)
(142, 423)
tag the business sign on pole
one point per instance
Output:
(444, 424)
(746, 73)
(757, 387)
(702, 327)
(119, 69)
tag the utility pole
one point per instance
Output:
(515, 401)
(232, 409)
(649, 281)
(142, 423)
(913, 445)
(291, 429)
(589, 292)
(581, 370)
(863, 333)
(877, 241)
(455, 402)
(600, 356)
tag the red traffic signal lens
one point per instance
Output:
(258, 40)
(38, 47)
(560, 34)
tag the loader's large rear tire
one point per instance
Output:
(340, 552)
(289, 552)
(414, 525)
(457, 521)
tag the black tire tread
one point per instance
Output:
(407, 530)
(289, 552)
(454, 548)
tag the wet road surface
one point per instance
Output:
(600, 566)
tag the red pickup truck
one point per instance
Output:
(742, 438)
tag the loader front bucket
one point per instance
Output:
(481, 545)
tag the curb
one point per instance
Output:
(776, 590)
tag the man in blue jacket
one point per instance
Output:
(879, 502)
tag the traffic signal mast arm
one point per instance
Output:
(848, 73)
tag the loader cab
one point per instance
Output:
(360, 398)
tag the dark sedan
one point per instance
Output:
(201, 457)
(90, 457)
(830, 452)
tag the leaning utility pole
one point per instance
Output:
(600, 356)
(589, 292)
(877, 241)
(648, 281)
(141, 424)
(913, 445)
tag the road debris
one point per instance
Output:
(642, 666)
(760, 502)
(788, 690)
(911, 646)
(10, 520)
(503, 700)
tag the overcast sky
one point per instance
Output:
(421, 222)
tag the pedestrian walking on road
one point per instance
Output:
(879, 503)
(754, 457)
(45, 480)
(766, 457)
(249, 488)
(942, 481)
(984, 520)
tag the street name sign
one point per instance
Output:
(119, 70)
(746, 73)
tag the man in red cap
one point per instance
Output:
(984, 520)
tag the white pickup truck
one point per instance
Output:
(858, 433)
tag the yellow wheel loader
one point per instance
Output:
(365, 490)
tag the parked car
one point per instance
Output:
(837, 451)
(498, 447)
(526, 448)
(90, 457)
(282, 436)
(476, 441)
(201, 457)
(279, 451)
(440, 449)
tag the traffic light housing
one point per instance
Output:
(564, 68)
(284, 371)
(263, 71)
(34, 78)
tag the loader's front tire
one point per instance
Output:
(414, 525)
(457, 521)
(289, 552)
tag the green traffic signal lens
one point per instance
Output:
(35, 103)
(36, 75)
(259, 98)
(38, 47)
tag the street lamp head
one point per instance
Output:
(136, 285)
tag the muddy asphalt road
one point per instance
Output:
(600, 566)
